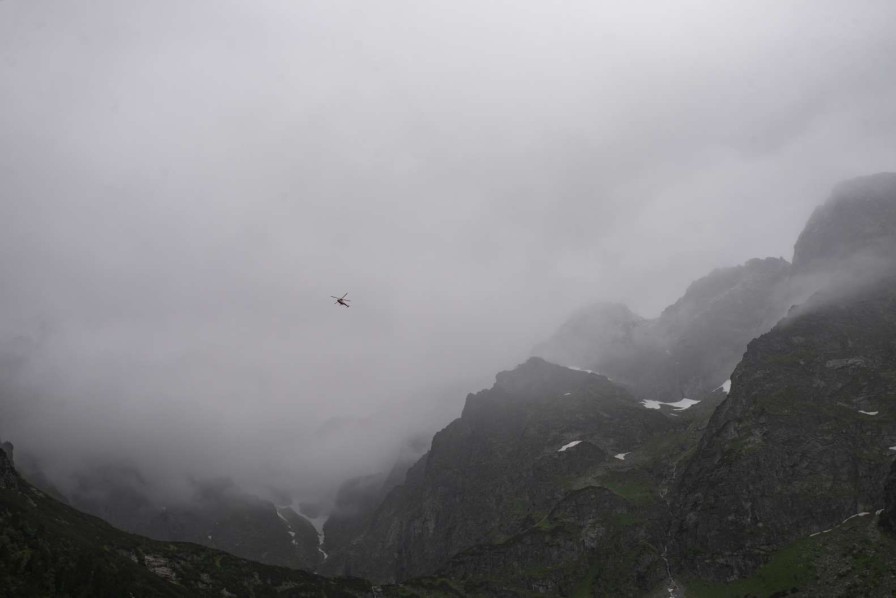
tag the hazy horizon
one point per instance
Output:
(185, 185)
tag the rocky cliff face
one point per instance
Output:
(595, 541)
(888, 516)
(803, 440)
(519, 448)
(356, 502)
(9, 480)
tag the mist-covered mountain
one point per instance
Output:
(216, 514)
(48, 548)
(357, 499)
(692, 346)
(517, 449)
(855, 228)
(699, 339)
(740, 444)
(562, 482)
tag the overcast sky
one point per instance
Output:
(183, 184)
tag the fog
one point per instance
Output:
(183, 186)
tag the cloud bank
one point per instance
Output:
(184, 185)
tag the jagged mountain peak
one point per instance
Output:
(537, 376)
(704, 292)
(857, 220)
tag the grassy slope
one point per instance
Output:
(853, 559)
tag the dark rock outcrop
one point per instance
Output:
(803, 440)
(9, 479)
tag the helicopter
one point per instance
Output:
(342, 300)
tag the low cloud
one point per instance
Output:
(183, 186)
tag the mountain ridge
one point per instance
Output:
(562, 481)
(721, 321)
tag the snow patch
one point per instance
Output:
(566, 394)
(288, 526)
(621, 456)
(569, 446)
(677, 405)
(572, 367)
(318, 523)
(683, 404)
(869, 412)
(824, 531)
(578, 369)
(726, 386)
(893, 448)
